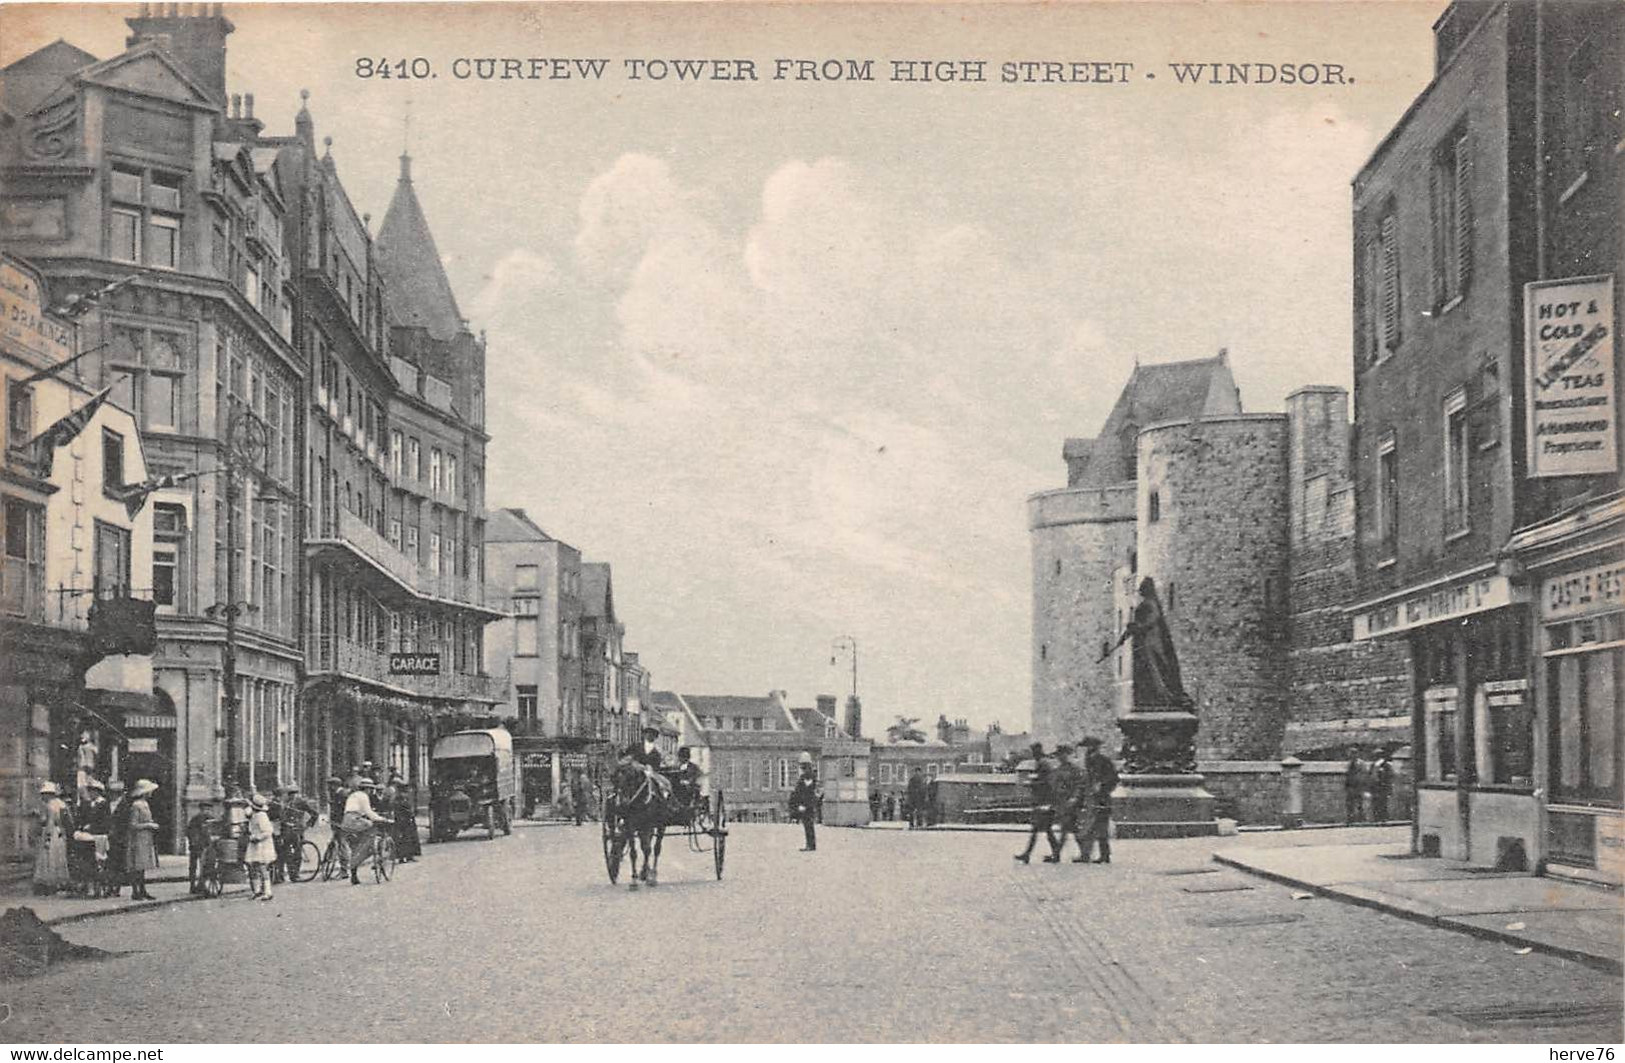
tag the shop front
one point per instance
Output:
(1579, 562)
(1472, 717)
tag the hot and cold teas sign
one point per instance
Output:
(1569, 343)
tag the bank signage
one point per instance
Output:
(1583, 593)
(1447, 601)
(414, 664)
(1569, 347)
(23, 324)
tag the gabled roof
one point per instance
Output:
(25, 84)
(739, 706)
(812, 720)
(597, 594)
(149, 68)
(513, 526)
(1166, 391)
(419, 293)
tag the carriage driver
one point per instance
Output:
(648, 755)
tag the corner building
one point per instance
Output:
(1500, 182)
(138, 170)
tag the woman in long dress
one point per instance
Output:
(142, 855)
(261, 852)
(407, 846)
(51, 855)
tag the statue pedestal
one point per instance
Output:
(1160, 794)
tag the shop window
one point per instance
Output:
(1439, 734)
(1584, 690)
(1503, 734)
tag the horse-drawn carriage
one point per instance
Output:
(638, 812)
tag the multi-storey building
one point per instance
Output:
(133, 169)
(538, 645)
(601, 637)
(76, 623)
(1487, 450)
(396, 605)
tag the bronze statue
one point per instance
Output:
(1156, 668)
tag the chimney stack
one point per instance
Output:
(197, 40)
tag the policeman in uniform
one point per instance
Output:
(804, 802)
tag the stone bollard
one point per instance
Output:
(1292, 773)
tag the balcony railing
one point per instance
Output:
(360, 536)
(337, 655)
(22, 590)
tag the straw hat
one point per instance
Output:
(143, 787)
(48, 787)
(258, 801)
(95, 784)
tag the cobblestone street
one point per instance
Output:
(879, 936)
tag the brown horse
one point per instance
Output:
(642, 810)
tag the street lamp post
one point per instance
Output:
(847, 642)
(246, 444)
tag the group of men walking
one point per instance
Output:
(1074, 796)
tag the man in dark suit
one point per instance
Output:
(804, 802)
(1102, 775)
(1043, 813)
(648, 752)
(918, 798)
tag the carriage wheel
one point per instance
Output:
(613, 846)
(719, 833)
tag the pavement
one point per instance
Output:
(1376, 869)
(879, 936)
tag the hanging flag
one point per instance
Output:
(64, 431)
(77, 305)
(134, 496)
(46, 374)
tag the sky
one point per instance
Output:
(792, 354)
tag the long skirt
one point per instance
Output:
(51, 860)
(406, 835)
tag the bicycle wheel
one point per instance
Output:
(330, 861)
(310, 862)
(383, 859)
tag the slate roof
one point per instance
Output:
(511, 525)
(1166, 391)
(813, 720)
(26, 83)
(419, 293)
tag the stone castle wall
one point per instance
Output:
(1212, 506)
(1079, 536)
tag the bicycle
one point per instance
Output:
(311, 861)
(382, 855)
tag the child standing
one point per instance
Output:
(261, 852)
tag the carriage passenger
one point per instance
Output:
(685, 777)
